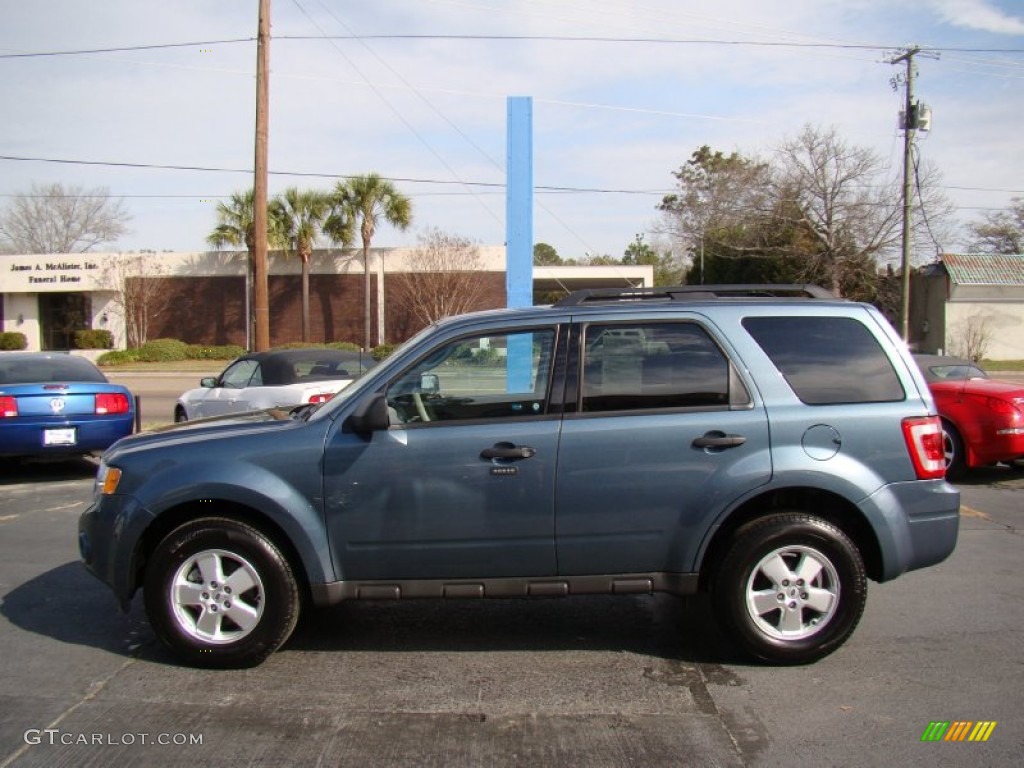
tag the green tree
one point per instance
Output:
(720, 201)
(545, 255)
(365, 201)
(298, 216)
(235, 226)
(667, 270)
(235, 223)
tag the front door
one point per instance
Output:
(462, 482)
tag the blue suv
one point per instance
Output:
(772, 445)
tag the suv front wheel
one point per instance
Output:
(791, 588)
(220, 594)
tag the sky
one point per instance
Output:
(623, 93)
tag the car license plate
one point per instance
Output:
(60, 436)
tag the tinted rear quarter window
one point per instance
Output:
(827, 360)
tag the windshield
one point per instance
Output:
(957, 372)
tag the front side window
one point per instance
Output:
(651, 366)
(827, 360)
(240, 374)
(489, 376)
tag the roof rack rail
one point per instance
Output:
(693, 293)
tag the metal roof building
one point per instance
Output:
(971, 305)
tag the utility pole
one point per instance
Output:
(261, 291)
(916, 117)
(909, 124)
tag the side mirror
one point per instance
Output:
(208, 382)
(430, 384)
(370, 416)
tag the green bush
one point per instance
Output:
(13, 340)
(162, 351)
(96, 338)
(119, 357)
(346, 346)
(382, 350)
(220, 352)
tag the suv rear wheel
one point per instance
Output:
(220, 594)
(791, 588)
(953, 447)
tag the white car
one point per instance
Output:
(281, 378)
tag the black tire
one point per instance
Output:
(180, 415)
(953, 447)
(782, 617)
(236, 613)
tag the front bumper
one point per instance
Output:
(109, 531)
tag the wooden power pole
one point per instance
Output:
(261, 291)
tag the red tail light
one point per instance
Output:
(924, 444)
(996, 405)
(8, 406)
(113, 403)
(321, 398)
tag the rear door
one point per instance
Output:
(661, 434)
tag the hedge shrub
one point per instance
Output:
(13, 340)
(221, 352)
(95, 338)
(347, 346)
(382, 350)
(162, 351)
(118, 357)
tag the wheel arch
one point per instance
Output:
(174, 517)
(827, 505)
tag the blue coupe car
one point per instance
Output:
(55, 403)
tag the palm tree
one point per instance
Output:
(236, 226)
(298, 217)
(364, 200)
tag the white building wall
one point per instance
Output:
(1002, 323)
(21, 315)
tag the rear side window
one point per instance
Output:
(653, 366)
(827, 360)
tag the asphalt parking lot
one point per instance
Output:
(634, 681)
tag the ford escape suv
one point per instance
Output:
(772, 445)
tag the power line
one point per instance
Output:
(124, 48)
(496, 185)
(503, 38)
(315, 174)
(640, 40)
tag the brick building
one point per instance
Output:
(201, 297)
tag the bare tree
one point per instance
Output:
(447, 279)
(970, 338)
(838, 194)
(1001, 232)
(138, 299)
(52, 219)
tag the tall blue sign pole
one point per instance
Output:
(519, 235)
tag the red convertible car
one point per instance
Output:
(982, 418)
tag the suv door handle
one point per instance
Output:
(718, 439)
(508, 451)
